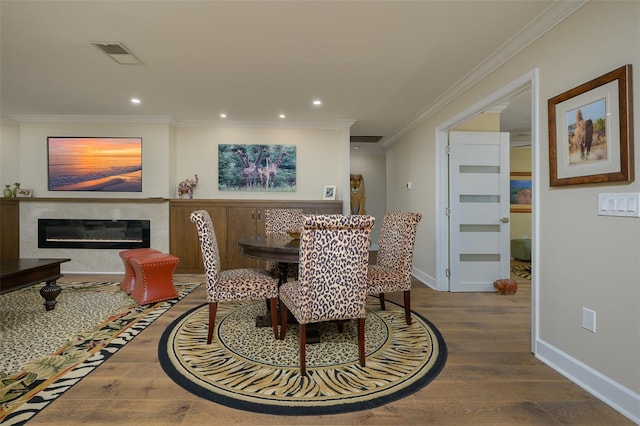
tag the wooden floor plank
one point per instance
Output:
(491, 377)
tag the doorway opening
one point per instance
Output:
(526, 83)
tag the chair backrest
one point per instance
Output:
(334, 253)
(397, 241)
(279, 221)
(208, 245)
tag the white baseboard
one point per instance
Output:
(424, 278)
(620, 398)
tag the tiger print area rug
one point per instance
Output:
(522, 270)
(246, 368)
(44, 353)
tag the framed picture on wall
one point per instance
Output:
(257, 167)
(590, 131)
(329, 192)
(520, 192)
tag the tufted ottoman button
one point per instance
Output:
(154, 277)
(129, 280)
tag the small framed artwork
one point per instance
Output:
(590, 131)
(520, 192)
(23, 192)
(329, 192)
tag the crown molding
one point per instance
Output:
(545, 21)
(346, 122)
(338, 124)
(93, 119)
(321, 125)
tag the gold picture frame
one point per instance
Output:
(520, 192)
(591, 131)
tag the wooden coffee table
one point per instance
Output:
(23, 272)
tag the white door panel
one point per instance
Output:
(472, 271)
(479, 200)
(479, 184)
(476, 155)
(482, 214)
(480, 243)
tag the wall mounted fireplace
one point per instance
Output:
(94, 233)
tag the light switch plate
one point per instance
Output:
(619, 204)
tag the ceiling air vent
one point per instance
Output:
(365, 139)
(117, 51)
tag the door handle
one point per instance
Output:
(504, 220)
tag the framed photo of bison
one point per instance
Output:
(590, 131)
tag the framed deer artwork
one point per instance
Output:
(257, 167)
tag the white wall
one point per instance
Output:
(169, 155)
(155, 155)
(9, 153)
(412, 159)
(372, 167)
(581, 259)
(319, 155)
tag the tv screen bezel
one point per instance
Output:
(139, 139)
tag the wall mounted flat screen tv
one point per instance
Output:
(94, 164)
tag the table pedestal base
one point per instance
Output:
(313, 332)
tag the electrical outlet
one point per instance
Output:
(589, 319)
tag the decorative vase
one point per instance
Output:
(16, 188)
(8, 193)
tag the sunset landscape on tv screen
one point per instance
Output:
(95, 164)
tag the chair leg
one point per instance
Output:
(284, 313)
(381, 297)
(407, 306)
(303, 349)
(361, 340)
(274, 316)
(213, 307)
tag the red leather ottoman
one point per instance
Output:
(129, 279)
(154, 277)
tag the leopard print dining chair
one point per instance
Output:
(232, 284)
(334, 253)
(279, 221)
(392, 271)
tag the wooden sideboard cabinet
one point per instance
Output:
(241, 222)
(183, 237)
(9, 228)
(232, 220)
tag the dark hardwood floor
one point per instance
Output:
(490, 377)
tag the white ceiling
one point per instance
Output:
(383, 64)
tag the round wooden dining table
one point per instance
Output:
(279, 248)
(284, 250)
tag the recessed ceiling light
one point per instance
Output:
(283, 116)
(223, 115)
(135, 101)
(317, 102)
